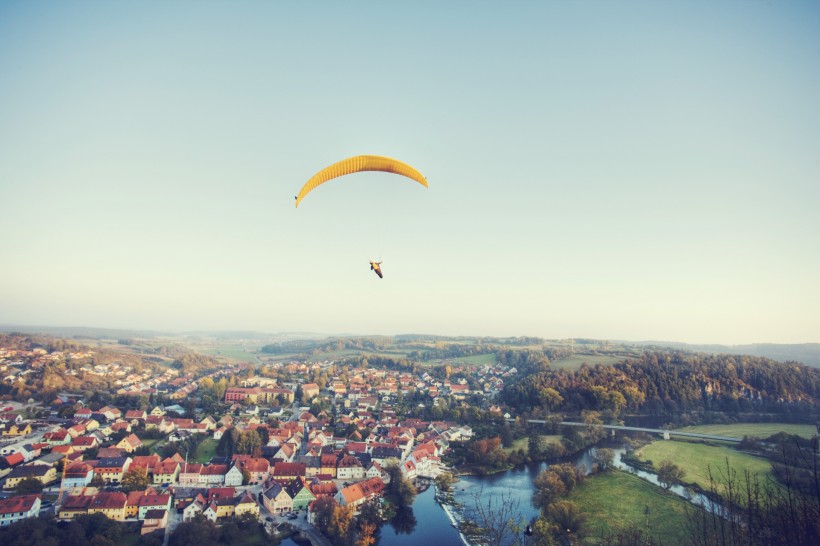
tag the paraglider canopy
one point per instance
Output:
(357, 164)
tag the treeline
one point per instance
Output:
(193, 362)
(306, 346)
(84, 530)
(245, 529)
(454, 350)
(661, 383)
(382, 362)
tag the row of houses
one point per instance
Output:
(116, 505)
(219, 504)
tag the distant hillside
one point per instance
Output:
(86, 332)
(806, 353)
(82, 332)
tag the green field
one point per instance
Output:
(760, 430)
(616, 499)
(150, 443)
(235, 353)
(478, 360)
(575, 361)
(523, 443)
(205, 451)
(696, 459)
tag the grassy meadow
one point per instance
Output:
(575, 361)
(478, 360)
(150, 443)
(616, 499)
(242, 354)
(523, 443)
(760, 430)
(696, 459)
(205, 451)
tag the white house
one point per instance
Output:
(15, 509)
(234, 477)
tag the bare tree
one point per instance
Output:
(499, 519)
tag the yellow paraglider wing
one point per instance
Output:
(357, 164)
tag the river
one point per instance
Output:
(432, 524)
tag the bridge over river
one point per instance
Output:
(663, 432)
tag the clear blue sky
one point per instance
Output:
(617, 170)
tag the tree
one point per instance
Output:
(322, 512)
(758, 514)
(550, 398)
(602, 458)
(198, 532)
(28, 486)
(248, 441)
(370, 512)
(506, 434)
(669, 474)
(549, 487)
(445, 481)
(499, 519)
(542, 533)
(537, 446)
(367, 532)
(568, 517)
(399, 491)
(136, 479)
(341, 523)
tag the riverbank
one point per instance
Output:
(699, 461)
(616, 499)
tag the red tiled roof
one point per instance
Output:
(22, 503)
(108, 500)
(76, 502)
(155, 500)
(289, 469)
(221, 493)
(15, 458)
(215, 470)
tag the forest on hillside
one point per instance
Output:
(665, 383)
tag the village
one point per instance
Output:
(333, 441)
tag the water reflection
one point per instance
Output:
(432, 525)
(404, 522)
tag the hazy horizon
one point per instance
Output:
(37, 328)
(629, 170)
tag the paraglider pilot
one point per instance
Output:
(376, 266)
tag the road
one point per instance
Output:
(174, 519)
(307, 530)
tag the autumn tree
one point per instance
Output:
(549, 487)
(341, 527)
(135, 479)
(367, 532)
(322, 511)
